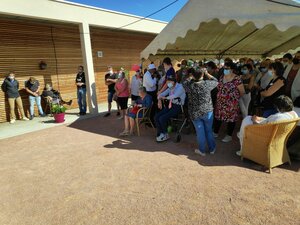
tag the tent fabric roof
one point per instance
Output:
(213, 28)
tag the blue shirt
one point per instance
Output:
(146, 102)
(170, 73)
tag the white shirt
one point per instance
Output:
(148, 82)
(264, 80)
(177, 95)
(135, 85)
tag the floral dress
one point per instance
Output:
(227, 106)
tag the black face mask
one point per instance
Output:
(296, 61)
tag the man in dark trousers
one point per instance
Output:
(81, 90)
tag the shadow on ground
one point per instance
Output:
(224, 156)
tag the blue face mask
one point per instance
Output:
(170, 85)
(244, 72)
(263, 69)
(226, 72)
(270, 73)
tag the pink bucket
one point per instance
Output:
(59, 118)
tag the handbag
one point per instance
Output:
(115, 97)
(135, 109)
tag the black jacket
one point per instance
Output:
(11, 88)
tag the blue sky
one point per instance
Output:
(138, 7)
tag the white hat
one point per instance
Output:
(151, 67)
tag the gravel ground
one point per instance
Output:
(85, 174)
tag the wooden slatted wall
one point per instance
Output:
(23, 44)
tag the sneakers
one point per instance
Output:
(213, 152)
(215, 135)
(25, 119)
(124, 133)
(31, 117)
(43, 115)
(227, 139)
(121, 117)
(162, 138)
(238, 153)
(198, 152)
(107, 114)
(12, 121)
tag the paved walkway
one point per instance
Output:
(39, 123)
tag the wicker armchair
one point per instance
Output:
(266, 144)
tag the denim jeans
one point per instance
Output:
(162, 118)
(37, 100)
(203, 127)
(81, 96)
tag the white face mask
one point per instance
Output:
(170, 85)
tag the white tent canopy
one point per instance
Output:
(215, 28)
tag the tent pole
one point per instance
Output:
(248, 35)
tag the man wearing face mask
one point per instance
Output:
(175, 93)
(292, 76)
(11, 87)
(150, 83)
(170, 72)
(287, 60)
(33, 89)
(110, 80)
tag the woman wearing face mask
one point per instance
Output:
(261, 81)
(248, 82)
(275, 88)
(11, 87)
(122, 92)
(176, 95)
(200, 108)
(136, 83)
(230, 89)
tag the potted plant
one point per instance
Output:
(58, 113)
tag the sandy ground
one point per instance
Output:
(85, 174)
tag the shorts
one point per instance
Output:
(134, 97)
(123, 102)
(133, 115)
(110, 96)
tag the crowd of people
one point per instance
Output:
(252, 92)
(208, 94)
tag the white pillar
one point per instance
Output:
(87, 55)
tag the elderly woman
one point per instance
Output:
(54, 96)
(144, 100)
(284, 107)
(200, 108)
(275, 88)
(230, 90)
(122, 92)
(176, 95)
